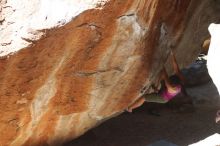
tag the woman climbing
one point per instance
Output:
(166, 93)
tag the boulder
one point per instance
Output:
(67, 66)
(213, 55)
(213, 59)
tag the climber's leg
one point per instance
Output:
(136, 104)
(155, 97)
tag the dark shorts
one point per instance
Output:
(154, 97)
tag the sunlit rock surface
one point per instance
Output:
(22, 22)
(86, 61)
(213, 140)
(213, 55)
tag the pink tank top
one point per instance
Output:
(166, 95)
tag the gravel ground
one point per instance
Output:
(141, 128)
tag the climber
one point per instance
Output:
(166, 93)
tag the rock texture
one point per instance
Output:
(22, 22)
(71, 78)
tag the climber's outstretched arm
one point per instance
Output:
(176, 68)
(166, 79)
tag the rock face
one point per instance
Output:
(23, 22)
(213, 59)
(213, 54)
(73, 76)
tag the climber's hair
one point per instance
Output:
(175, 79)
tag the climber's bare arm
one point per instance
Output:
(176, 67)
(136, 104)
(165, 78)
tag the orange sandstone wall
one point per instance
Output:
(78, 75)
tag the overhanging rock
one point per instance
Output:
(73, 76)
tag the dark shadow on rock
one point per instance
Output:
(196, 73)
